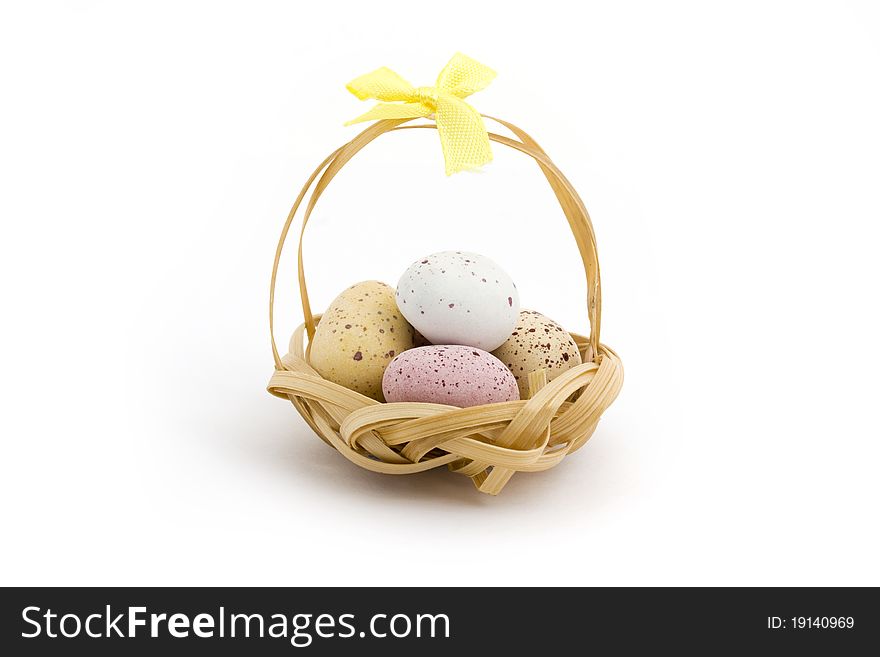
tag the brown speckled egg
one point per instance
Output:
(357, 337)
(537, 342)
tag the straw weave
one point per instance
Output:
(486, 443)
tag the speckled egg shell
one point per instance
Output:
(537, 342)
(448, 374)
(456, 297)
(357, 337)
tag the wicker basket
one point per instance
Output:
(486, 443)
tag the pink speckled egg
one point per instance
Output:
(448, 374)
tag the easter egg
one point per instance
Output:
(537, 342)
(448, 374)
(456, 297)
(357, 337)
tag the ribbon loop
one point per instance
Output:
(463, 135)
(463, 76)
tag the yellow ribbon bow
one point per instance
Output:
(463, 136)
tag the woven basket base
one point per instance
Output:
(486, 443)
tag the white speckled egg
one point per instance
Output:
(537, 342)
(456, 297)
(357, 337)
(448, 374)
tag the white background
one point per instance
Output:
(728, 153)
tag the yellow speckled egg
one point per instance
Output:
(537, 342)
(357, 337)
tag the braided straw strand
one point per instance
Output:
(488, 443)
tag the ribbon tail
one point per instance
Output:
(463, 135)
(393, 111)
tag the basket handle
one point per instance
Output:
(572, 206)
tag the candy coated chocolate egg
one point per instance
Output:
(456, 297)
(448, 374)
(537, 342)
(357, 337)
